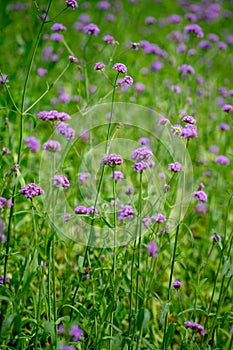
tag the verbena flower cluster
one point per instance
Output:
(31, 190)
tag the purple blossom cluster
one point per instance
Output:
(32, 143)
(177, 284)
(5, 203)
(52, 146)
(53, 116)
(175, 167)
(126, 212)
(194, 29)
(152, 249)
(112, 160)
(72, 3)
(200, 196)
(81, 209)
(31, 190)
(60, 181)
(142, 153)
(195, 326)
(117, 175)
(65, 130)
(91, 29)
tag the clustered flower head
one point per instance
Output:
(117, 175)
(189, 131)
(57, 27)
(32, 143)
(53, 115)
(177, 284)
(189, 119)
(222, 160)
(175, 167)
(65, 130)
(142, 153)
(5, 203)
(159, 218)
(3, 78)
(200, 196)
(76, 332)
(152, 249)
(72, 3)
(52, 146)
(31, 190)
(227, 108)
(195, 326)
(194, 29)
(126, 212)
(112, 159)
(91, 29)
(73, 59)
(83, 177)
(99, 66)
(216, 238)
(186, 69)
(120, 67)
(81, 209)
(109, 39)
(140, 166)
(61, 181)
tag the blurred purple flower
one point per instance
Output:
(52, 146)
(99, 66)
(41, 71)
(126, 212)
(222, 160)
(118, 175)
(175, 167)
(91, 29)
(76, 332)
(32, 143)
(57, 27)
(65, 130)
(195, 326)
(5, 203)
(142, 153)
(152, 249)
(120, 67)
(83, 177)
(194, 29)
(72, 3)
(216, 238)
(159, 218)
(227, 108)
(3, 78)
(56, 37)
(73, 59)
(189, 119)
(109, 39)
(140, 166)
(200, 196)
(80, 209)
(177, 284)
(31, 190)
(60, 181)
(112, 160)
(53, 115)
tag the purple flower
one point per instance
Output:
(5, 203)
(204, 45)
(61, 329)
(176, 167)
(216, 238)
(142, 153)
(52, 146)
(213, 37)
(66, 347)
(222, 160)
(189, 131)
(139, 87)
(76, 332)
(140, 166)
(3, 79)
(176, 89)
(56, 37)
(149, 20)
(200, 196)
(156, 66)
(163, 121)
(80, 210)
(152, 249)
(120, 67)
(126, 212)
(42, 71)
(31, 190)
(186, 69)
(147, 222)
(194, 29)
(83, 177)
(223, 126)
(227, 108)
(8, 279)
(53, 115)
(159, 218)
(61, 181)
(118, 175)
(177, 284)
(112, 160)
(201, 208)
(57, 27)
(73, 59)
(91, 29)
(144, 141)
(188, 119)
(109, 39)
(128, 80)
(92, 210)
(32, 143)
(99, 66)
(72, 3)
(65, 130)
(6, 150)
(103, 5)
(195, 326)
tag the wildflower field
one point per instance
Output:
(116, 213)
